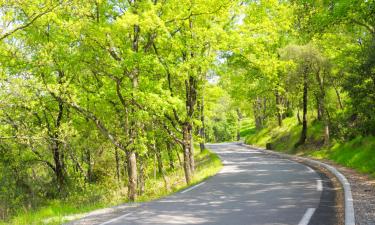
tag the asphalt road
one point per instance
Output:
(253, 188)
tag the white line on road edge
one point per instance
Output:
(191, 188)
(319, 185)
(306, 218)
(349, 207)
(310, 169)
(114, 219)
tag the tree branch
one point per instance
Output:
(21, 27)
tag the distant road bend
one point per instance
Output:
(253, 188)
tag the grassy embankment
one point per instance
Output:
(74, 207)
(358, 154)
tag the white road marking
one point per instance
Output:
(319, 185)
(306, 218)
(191, 188)
(310, 169)
(115, 219)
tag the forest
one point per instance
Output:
(111, 101)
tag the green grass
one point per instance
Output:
(282, 138)
(358, 154)
(247, 128)
(61, 211)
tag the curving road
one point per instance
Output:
(253, 188)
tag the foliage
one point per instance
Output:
(106, 95)
(357, 153)
(105, 195)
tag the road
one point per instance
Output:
(253, 188)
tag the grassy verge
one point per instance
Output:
(247, 128)
(358, 154)
(60, 211)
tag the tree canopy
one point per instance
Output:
(93, 90)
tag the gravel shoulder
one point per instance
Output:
(363, 190)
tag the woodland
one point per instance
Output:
(104, 101)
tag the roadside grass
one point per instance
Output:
(358, 154)
(246, 127)
(61, 211)
(282, 138)
(207, 165)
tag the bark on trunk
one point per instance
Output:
(170, 156)
(191, 99)
(303, 137)
(186, 150)
(141, 177)
(278, 109)
(132, 173)
(58, 156)
(257, 108)
(117, 158)
(201, 129)
(132, 161)
(59, 169)
(126, 171)
(179, 157)
(239, 124)
(191, 153)
(187, 169)
(159, 160)
(264, 113)
(339, 98)
(321, 102)
(319, 107)
(299, 117)
(89, 165)
(326, 134)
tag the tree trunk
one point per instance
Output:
(298, 117)
(338, 98)
(59, 169)
(179, 157)
(257, 113)
(141, 177)
(321, 102)
(191, 99)
(191, 152)
(159, 159)
(326, 134)
(126, 171)
(239, 124)
(154, 165)
(58, 156)
(319, 107)
(132, 161)
(187, 165)
(278, 108)
(89, 165)
(201, 129)
(117, 158)
(170, 156)
(132, 173)
(186, 151)
(303, 137)
(264, 111)
(326, 120)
